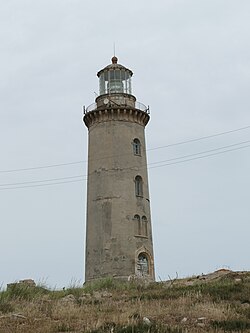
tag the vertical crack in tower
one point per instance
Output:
(118, 233)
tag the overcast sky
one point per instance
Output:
(191, 64)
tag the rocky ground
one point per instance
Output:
(216, 302)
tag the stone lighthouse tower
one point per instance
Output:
(119, 234)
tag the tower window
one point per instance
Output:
(137, 147)
(138, 186)
(140, 226)
(144, 226)
(142, 264)
(137, 224)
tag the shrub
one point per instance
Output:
(25, 292)
(5, 305)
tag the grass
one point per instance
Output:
(138, 328)
(221, 305)
(232, 325)
(25, 292)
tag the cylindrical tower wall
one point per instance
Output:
(118, 209)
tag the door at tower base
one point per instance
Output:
(118, 229)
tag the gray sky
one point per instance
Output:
(191, 64)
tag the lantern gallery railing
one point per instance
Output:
(142, 107)
(138, 105)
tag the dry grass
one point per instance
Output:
(217, 305)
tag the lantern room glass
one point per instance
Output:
(113, 81)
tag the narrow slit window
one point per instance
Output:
(144, 226)
(137, 147)
(138, 186)
(137, 224)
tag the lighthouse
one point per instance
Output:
(118, 227)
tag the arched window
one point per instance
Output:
(142, 264)
(138, 186)
(137, 147)
(144, 226)
(137, 224)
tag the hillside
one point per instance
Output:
(216, 302)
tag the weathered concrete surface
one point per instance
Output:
(112, 245)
